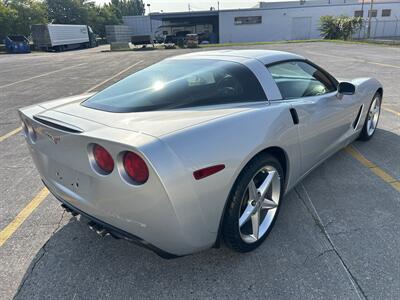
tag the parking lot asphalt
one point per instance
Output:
(337, 236)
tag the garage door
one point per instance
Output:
(301, 28)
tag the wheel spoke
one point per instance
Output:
(246, 215)
(375, 110)
(255, 223)
(269, 204)
(252, 191)
(263, 189)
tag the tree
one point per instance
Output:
(67, 11)
(341, 27)
(127, 8)
(17, 16)
(100, 16)
(28, 12)
(8, 17)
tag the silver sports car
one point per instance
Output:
(197, 148)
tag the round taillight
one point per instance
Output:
(103, 159)
(135, 167)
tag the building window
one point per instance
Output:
(386, 12)
(248, 20)
(359, 13)
(372, 13)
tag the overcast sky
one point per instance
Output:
(182, 5)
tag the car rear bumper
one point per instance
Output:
(103, 229)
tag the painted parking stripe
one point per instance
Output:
(374, 168)
(41, 75)
(9, 230)
(11, 133)
(392, 111)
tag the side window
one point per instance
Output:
(298, 79)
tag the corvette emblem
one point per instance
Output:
(54, 138)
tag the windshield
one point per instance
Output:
(173, 84)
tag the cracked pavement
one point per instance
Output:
(337, 235)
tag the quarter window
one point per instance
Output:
(298, 79)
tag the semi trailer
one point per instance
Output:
(61, 37)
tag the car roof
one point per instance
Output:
(265, 56)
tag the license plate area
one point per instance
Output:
(69, 178)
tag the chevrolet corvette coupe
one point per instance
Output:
(198, 148)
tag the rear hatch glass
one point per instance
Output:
(176, 83)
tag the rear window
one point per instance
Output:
(173, 84)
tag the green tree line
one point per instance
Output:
(17, 16)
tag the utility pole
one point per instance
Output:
(189, 6)
(362, 7)
(218, 5)
(151, 25)
(369, 19)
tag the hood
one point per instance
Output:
(154, 123)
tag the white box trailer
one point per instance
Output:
(61, 37)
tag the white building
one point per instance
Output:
(276, 21)
(300, 20)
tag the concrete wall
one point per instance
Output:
(118, 33)
(290, 23)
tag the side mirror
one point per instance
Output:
(346, 88)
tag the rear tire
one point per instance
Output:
(372, 118)
(254, 202)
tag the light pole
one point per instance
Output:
(151, 25)
(369, 19)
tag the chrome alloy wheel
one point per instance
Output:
(373, 115)
(259, 204)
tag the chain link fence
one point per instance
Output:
(380, 29)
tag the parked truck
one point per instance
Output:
(60, 37)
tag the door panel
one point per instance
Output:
(325, 124)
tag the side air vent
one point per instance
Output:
(357, 120)
(57, 124)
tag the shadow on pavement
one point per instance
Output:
(293, 262)
(296, 261)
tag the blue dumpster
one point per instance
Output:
(17, 44)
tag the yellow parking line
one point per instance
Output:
(21, 217)
(7, 135)
(374, 168)
(11, 133)
(392, 111)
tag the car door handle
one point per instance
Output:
(295, 116)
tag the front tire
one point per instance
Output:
(372, 119)
(254, 203)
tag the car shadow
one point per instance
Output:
(77, 263)
(295, 262)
